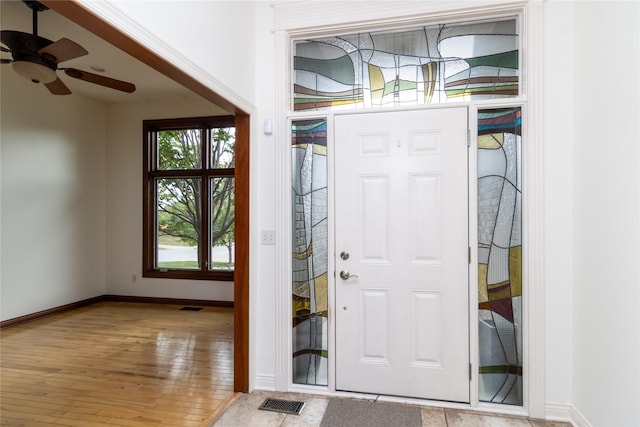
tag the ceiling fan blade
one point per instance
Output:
(100, 80)
(63, 50)
(57, 87)
(19, 41)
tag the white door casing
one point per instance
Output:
(401, 201)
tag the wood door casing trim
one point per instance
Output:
(81, 16)
(241, 276)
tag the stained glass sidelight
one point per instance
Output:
(424, 65)
(310, 256)
(500, 255)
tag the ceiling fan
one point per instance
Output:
(37, 58)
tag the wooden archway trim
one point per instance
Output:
(93, 23)
(241, 275)
(81, 16)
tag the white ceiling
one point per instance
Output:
(150, 84)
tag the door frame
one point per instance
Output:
(324, 21)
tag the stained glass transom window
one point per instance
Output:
(500, 255)
(310, 254)
(424, 65)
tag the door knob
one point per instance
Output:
(345, 275)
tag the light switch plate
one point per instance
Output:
(268, 237)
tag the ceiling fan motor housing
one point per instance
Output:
(26, 61)
(35, 72)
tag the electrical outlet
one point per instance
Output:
(268, 237)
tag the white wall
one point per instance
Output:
(215, 37)
(558, 200)
(263, 147)
(124, 203)
(53, 198)
(606, 208)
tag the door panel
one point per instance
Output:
(374, 197)
(375, 321)
(402, 217)
(427, 328)
(424, 217)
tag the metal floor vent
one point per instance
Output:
(285, 406)
(191, 308)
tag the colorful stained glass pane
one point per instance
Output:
(500, 255)
(310, 255)
(425, 65)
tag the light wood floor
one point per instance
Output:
(123, 364)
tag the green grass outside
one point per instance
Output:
(163, 239)
(193, 264)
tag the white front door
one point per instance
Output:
(401, 201)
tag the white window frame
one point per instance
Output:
(315, 19)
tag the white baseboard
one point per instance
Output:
(566, 413)
(265, 382)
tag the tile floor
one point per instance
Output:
(244, 412)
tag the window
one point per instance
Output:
(433, 64)
(500, 255)
(189, 198)
(310, 251)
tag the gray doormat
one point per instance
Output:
(361, 413)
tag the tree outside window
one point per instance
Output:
(189, 198)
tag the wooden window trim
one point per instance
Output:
(151, 173)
